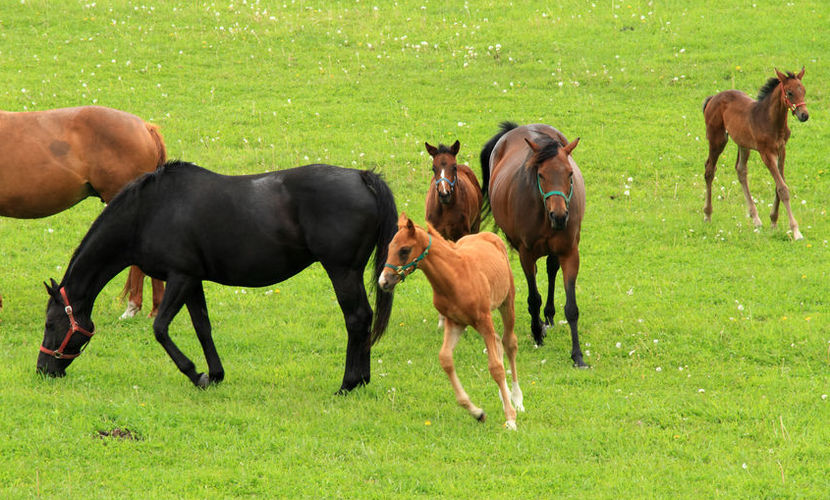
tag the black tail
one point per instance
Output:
(486, 151)
(388, 213)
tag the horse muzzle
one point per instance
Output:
(388, 280)
(558, 221)
(802, 114)
(49, 366)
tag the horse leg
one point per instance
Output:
(452, 332)
(534, 300)
(179, 290)
(781, 189)
(717, 141)
(511, 347)
(570, 268)
(135, 287)
(741, 169)
(351, 295)
(553, 268)
(197, 308)
(495, 364)
(158, 294)
(773, 215)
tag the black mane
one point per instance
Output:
(768, 87)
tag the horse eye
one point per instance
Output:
(404, 252)
(789, 94)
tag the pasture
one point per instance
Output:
(709, 342)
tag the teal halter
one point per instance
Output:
(547, 195)
(401, 270)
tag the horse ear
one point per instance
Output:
(533, 145)
(801, 74)
(570, 147)
(402, 219)
(432, 150)
(53, 288)
(455, 148)
(781, 76)
(410, 226)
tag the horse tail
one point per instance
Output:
(159, 140)
(387, 227)
(706, 101)
(484, 158)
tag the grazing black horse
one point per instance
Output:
(184, 224)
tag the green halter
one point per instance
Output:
(547, 195)
(401, 270)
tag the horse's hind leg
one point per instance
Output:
(534, 300)
(741, 169)
(197, 308)
(717, 141)
(135, 288)
(179, 290)
(570, 268)
(511, 347)
(452, 332)
(553, 268)
(351, 295)
(495, 364)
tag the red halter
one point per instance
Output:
(73, 327)
(792, 107)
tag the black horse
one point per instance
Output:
(184, 224)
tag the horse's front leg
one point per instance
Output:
(495, 363)
(773, 215)
(452, 332)
(197, 307)
(534, 300)
(179, 290)
(782, 191)
(351, 295)
(570, 268)
(553, 268)
(135, 288)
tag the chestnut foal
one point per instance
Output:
(469, 278)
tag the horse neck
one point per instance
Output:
(774, 108)
(440, 263)
(97, 260)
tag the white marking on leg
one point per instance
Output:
(131, 311)
(517, 397)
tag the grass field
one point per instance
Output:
(709, 342)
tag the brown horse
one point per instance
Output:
(453, 204)
(537, 196)
(51, 160)
(469, 279)
(760, 125)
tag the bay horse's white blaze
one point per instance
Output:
(469, 279)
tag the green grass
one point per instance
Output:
(710, 343)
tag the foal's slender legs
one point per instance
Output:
(511, 346)
(452, 332)
(553, 268)
(534, 300)
(781, 190)
(495, 364)
(741, 169)
(717, 141)
(773, 215)
(179, 290)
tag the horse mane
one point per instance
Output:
(140, 183)
(768, 87)
(442, 148)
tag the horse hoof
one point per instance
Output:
(581, 365)
(131, 311)
(203, 381)
(482, 417)
(510, 425)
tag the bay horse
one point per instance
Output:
(537, 197)
(453, 204)
(469, 279)
(185, 224)
(51, 160)
(760, 125)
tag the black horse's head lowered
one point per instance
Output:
(185, 224)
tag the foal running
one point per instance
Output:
(469, 279)
(760, 125)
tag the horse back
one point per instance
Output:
(487, 253)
